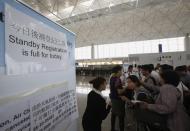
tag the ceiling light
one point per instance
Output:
(55, 12)
(90, 9)
(87, 3)
(67, 4)
(111, 4)
(72, 14)
(68, 9)
(132, 0)
(52, 14)
(52, 17)
(49, 3)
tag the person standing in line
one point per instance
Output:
(118, 105)
(165, 67)
(154, 74)
(96, 109)
(157, 67)
(130, 70)
(146, 71)
(188, 70)
(168, 102)
(184, 86)
(184, 76)
(139, 72)
(139, 93)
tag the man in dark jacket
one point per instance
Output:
(118, 105)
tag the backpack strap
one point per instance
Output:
(154, 81)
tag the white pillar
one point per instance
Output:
(187, 42)
(92, 52)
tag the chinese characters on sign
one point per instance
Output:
(26, 31)
(31, 45)
(16, 118)
(40, 112)
(48, 113)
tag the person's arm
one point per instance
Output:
(98, 106)
(120, 91)
(103, 110)
(168, 102)
(124, 98)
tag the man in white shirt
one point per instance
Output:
(154, 74)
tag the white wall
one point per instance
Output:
(15, 84)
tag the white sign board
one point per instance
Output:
(51, 108)
(15, 116)
(32, 46)
(43, 110)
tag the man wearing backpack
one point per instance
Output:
(184, 86)
(148, 79)
(184, 76)
(155, 74)
(146, 72)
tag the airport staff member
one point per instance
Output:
(96, 109)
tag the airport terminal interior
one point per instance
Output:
(95, 65)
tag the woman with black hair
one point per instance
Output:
(135, 92)
(168, 102)
(140, 93)
(96, 109)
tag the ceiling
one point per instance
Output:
(114, 21)
(65, 9)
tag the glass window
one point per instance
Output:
(139, 47)
(119, 50)
(131, 47)
(154, 46)
(165, 46)
(83, 53)
(147, 47)
(172, 44)
(181, 46)
(112, 50)
(124, 49)
(96, 51)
